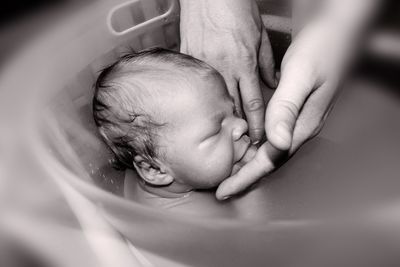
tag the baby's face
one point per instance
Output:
(204, 139)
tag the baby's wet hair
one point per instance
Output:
(122, 101)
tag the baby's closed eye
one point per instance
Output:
(212, 132)
(216, 131)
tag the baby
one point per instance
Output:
(170, 117)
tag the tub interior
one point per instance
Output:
(69, 111)
(350, 168)
(365, 110)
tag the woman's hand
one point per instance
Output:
(229, 35)
(296, 112)
(311, 71)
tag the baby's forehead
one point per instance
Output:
(197, 102)
(215, 87)
(195, 83)
(168, 91)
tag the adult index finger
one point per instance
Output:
(253, 106)
(262, 164)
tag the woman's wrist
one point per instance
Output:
(221, 14)
(347, 19)
(336, 31)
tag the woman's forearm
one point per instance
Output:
(348, 18)
(337, 27)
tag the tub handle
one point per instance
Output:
(157, 20)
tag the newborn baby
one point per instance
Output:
(170, 117)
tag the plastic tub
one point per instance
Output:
(59, 69)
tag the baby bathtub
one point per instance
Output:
(59, 69)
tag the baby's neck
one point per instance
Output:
(173, 190)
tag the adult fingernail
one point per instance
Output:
(256, 142)
(256, 135)
(225, 197)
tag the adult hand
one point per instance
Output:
(229, 35)
(299, 106)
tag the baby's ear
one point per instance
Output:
(150, 173)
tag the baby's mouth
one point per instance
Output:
(248, 153)
(247, 156)
(247, 141)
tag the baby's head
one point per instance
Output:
(170, 117)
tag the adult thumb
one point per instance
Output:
(280, 121)
(284, 107)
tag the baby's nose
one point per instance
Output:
(240, 128)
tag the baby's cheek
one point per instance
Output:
(220, 165)
(204, 167)
(214, 174)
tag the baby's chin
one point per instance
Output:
(249, 155)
